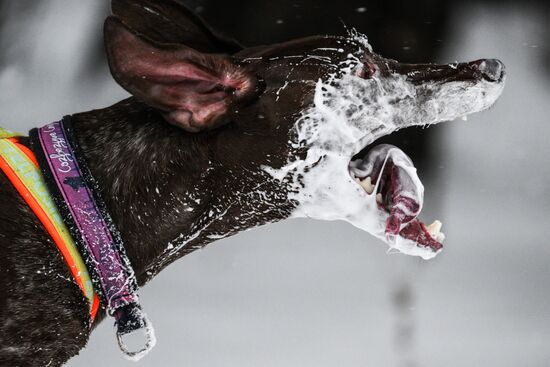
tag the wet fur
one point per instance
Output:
(133, 153)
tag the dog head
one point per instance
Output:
(296, 114)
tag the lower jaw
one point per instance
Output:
(406, 234)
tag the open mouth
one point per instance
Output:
(388, 175)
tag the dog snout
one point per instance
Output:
(492, 69)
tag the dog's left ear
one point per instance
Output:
(194, 90)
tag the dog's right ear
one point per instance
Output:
(168, 21)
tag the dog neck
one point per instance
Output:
(169, 192)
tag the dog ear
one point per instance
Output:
(193, 90)
(168, 21)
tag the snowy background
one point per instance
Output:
(305, 293)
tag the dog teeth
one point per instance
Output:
(434, 229)
(379, 198)
(367, 185)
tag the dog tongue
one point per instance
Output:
(406, 203)
(403, 211)
(390, 174)
(416, 231)
(402, 197)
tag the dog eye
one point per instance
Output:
(367, 70)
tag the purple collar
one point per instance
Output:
(76, 194)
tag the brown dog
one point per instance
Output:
(219, 139)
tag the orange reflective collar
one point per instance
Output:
(19, 165)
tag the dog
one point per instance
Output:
(218, 139)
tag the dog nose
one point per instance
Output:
(492, 69)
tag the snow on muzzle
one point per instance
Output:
(389, 174)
